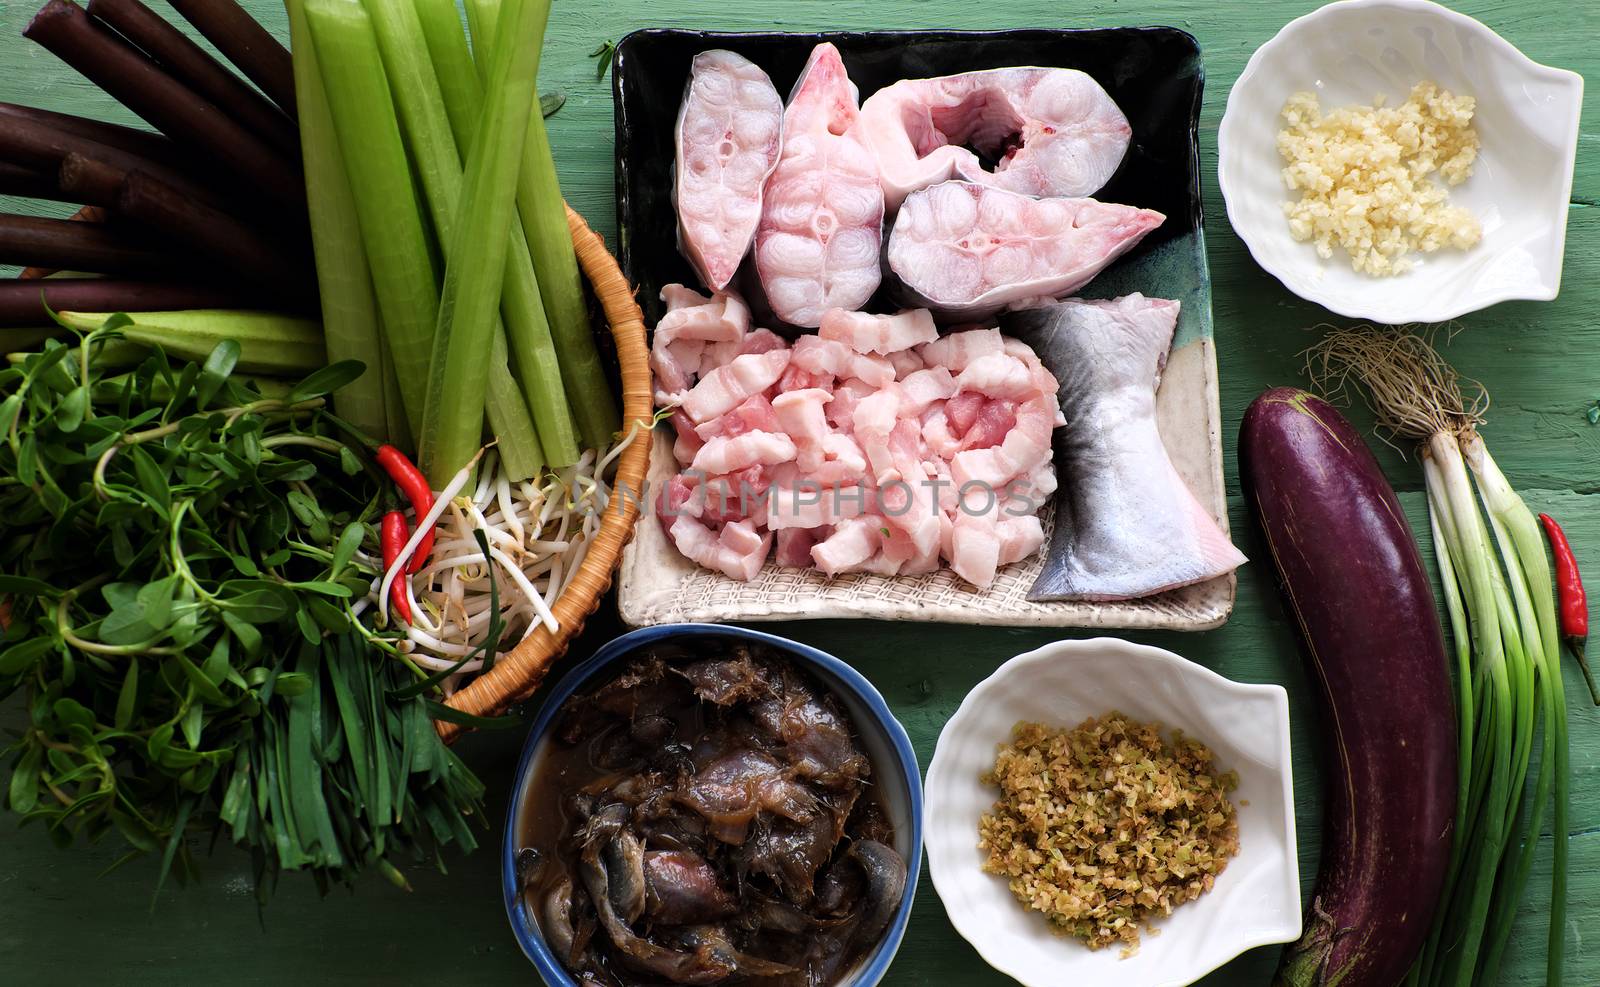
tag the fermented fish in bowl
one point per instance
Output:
(709, 814)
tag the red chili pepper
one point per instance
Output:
(417, 490)
(1574, 602)
(392, 538)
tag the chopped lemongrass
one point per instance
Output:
(349, 310)
(533, 349)
(544, 222)
(380, 179)
(476, 256)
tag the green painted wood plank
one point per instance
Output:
(1539, 361)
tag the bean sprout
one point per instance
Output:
(538, 532)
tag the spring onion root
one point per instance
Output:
(1502, 612)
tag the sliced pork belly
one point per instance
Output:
(737, 551)
(833, 358)
(956, 350)
(968, 251)
(1127, 525)
(754, 414)
(1053, 132)
(800, 414)
(852, 544)
(729, 135)
(678, 345)
(730, 455)
(794, 545)
(920, 389)
(885, 334)
(725, 388)
(818, 243)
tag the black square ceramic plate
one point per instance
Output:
(1155, 76)
(1153, 73)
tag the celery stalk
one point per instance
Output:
(349, 310)
(476, 257)
(544, 222)
(269, 343)
(380, 180)
(508, 416)
(433, 147)
(533, 350)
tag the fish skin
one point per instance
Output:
(729, 137)
(969, 251)
(1127, 525)
(1072, 135)
(819, 241)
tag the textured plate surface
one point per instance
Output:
(1256, 899)
(1155, 75)
(1350, 52)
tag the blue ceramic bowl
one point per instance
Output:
(894, 772)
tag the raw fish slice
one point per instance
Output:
(730, 132)
(1054, 132)
(1126, 526)
(968, 251)
(818, 243)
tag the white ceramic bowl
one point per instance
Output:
(1350, 52)
(1256, 900)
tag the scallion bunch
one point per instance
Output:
(1502, 612)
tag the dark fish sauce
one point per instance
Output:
(707, 817)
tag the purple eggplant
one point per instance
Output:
(1350, 573)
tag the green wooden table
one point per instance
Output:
(61, 921)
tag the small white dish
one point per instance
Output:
(1348, 53)
(1256, 900)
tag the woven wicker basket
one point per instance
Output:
(518, 673)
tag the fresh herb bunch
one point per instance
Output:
(183, 558)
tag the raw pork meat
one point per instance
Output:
(821, 227)
(1054, 132)
(968, 251)
(730, 130)
(838, 450)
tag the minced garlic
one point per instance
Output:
(1363, 174)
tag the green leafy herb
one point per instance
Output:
(550, 102)
(182, 555)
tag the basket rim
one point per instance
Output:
(518, 672)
